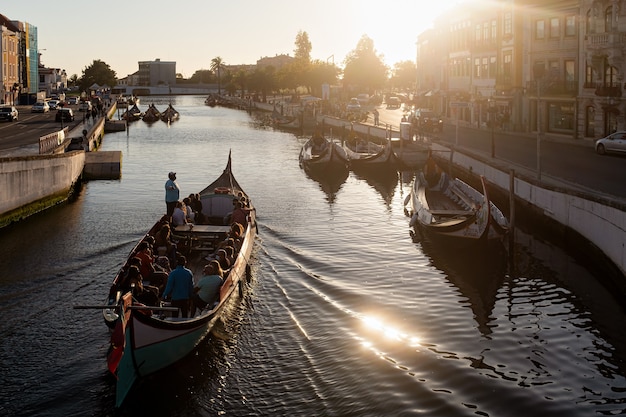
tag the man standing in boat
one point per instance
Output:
(172, 194)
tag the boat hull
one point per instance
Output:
(453, 213)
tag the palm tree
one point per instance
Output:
(216, 65)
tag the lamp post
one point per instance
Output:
(492, 121)
(538, 71)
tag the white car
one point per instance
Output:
(615, 142)
(353, 105)
(72, 100)
(84, 106)
(40, 107)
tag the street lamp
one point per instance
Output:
(492, 121)
(538, 71)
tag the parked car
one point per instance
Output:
(615, 142)
(72, 100)
(53, 104)
(64, 114)
(428, 120)
(40, 107)
(9, 113)
(393, 102)
(353, 105)
(363, 99)
(84, 106)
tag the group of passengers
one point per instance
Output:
(151, 279)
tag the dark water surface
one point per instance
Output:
(345, 314)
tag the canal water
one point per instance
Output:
(345, 314)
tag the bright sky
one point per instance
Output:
(72, 34)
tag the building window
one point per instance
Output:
(561, 117)
(508, 23)
(570, 25)
(588, 76)
(588, 22)
(554, 27)
(608, 19)
(540, 29)
(507, 66)
(494, 29)
(610, 76)
(570, 80)
(478, 32)
(485, 68)
(477, 67)
(492, 67)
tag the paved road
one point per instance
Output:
(25, 133)
(574, 161)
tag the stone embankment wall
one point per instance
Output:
(32, 183)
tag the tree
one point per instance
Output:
(320, 73)
(240, 79)
(99, 73)
(404, 75)
(364, 69)
(217, 64)
(263, 80)
(303, 47)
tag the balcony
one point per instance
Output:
(604, 91)
(595, 42)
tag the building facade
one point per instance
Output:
(9, 61)
(157, 72)
(552, 66)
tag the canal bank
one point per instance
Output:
(39, 176)
(591, 224)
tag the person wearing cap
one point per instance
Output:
(172, 193)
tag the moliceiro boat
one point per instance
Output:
(319, 154)
(450, 211)
(147, 333)
(170, 114)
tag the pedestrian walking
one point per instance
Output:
(376, 115)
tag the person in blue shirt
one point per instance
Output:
(179, 288)
(172, 193)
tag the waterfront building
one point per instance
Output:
(554, 65)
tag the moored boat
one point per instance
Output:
(146, 339)
(170, 114)
(321, 154)
(132, 114)
(364, 155)
(448, 210)
(152, 114)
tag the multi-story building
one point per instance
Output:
(603, 65)
(157, 72)
(9, 61)
(552, 65)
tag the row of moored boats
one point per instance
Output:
(151, 114)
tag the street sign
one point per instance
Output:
(459, 104)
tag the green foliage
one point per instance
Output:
(302, 52)
(99, 73)
(364, 69)
(403, 75)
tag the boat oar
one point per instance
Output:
(112, 307)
